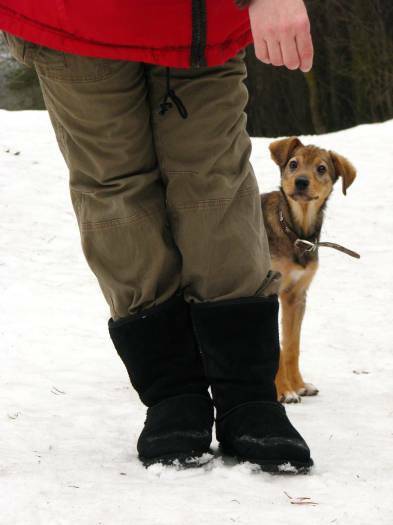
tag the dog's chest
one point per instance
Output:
(294, 276)
(303, 257)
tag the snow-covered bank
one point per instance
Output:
(69, 420)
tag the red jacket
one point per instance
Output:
(175, 33)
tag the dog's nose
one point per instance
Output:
(302, 183)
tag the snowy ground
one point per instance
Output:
(69, 420)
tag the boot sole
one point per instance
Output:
(182, 460)
(274, 466)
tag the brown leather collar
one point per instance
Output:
(293, 236)
(302, 253)
(310, 244)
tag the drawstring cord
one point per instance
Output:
(171, 95)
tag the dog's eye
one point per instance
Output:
(293, 165)
(321, 169)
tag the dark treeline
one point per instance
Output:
(351, 81)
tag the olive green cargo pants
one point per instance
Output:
(162, 202)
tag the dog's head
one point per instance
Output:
(308, 173)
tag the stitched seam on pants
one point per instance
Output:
(212, 203)
(65, 74)
(114, 223)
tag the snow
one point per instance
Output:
(69, 419)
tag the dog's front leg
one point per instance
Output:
(293, 306)
(288, 378)
(285, 393)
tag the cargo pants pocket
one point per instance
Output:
(17, 48)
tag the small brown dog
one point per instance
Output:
(308, 174)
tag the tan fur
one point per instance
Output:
(303, 213)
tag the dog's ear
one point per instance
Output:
(281, 150)
(343, 169)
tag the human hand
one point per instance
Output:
(281, 31)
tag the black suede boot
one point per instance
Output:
(239, 341)
(165, 367)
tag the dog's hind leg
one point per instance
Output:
(308, 390)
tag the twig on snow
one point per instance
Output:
(300, 500)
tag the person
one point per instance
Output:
(147, 102)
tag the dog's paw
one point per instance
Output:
(289, 396)
(308, 390)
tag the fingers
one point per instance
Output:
(275, 54)
(290, 53)
(261, 51)
(305, 50)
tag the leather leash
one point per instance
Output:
(312, 246)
